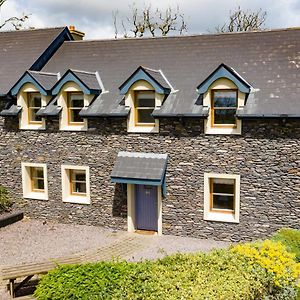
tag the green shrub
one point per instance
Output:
(5, 201)
(260, 271)
(290, 238)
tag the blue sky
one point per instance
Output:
(94, 17)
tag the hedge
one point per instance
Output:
(290, 238)
(5, 201)
(245, 271)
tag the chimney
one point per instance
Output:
(76, 34)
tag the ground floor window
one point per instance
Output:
(75, 184)
(221, 197)
(34, 181)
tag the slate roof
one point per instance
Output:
(22, 49)
(268, 60)
(46, 80)
(51, 110)
(138, 165)
(11, 111)
(89, 79)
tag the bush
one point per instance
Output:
(291, 239)
(5, 201)
(281, 269)
(247, 271)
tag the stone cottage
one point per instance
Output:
(191, 135)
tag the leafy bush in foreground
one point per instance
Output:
(5, 202)
(290, 238)
(245, 272)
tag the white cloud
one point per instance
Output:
(95, 16)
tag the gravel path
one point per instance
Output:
(34, 241)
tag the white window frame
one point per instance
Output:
(23, 101)
(209, 128)
(132, 126)
(66, 185)
(62, 101)
(220, 216)
(28, 193)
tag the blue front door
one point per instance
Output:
(146, 207)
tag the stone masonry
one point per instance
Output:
(266, 155)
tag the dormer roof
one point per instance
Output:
(155, 77)
(89, 82)
(224, 71)
(43, 81)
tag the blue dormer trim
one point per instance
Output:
(69, 76)
(224, 71)
(27, 78)
(141, 74)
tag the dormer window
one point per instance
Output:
(144, 106)
(75, 105)
(223, 108)
(34, 102)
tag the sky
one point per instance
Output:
(94, 17)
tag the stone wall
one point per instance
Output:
(266, 155)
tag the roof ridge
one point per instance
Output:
(84, 72)
(42, 73)
(31, 29)
(187, 35)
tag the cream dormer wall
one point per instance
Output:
(22, 101)
(222, 84)
(62, 101)
(141, 85)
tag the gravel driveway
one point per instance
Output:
(34, 241)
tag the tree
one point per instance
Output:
(147, 21)
(16, 22)
(244, 20)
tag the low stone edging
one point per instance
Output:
(11, 218)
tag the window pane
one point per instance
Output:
(223, 186)
(224, 116)
(39, 172)
(74, 116)
(35, 101)
(146, 102)
(77, 103)
(144, 116)
(225, 99)
(39, 184)
(79, 187)
(79, 177)
(32, 115)
(223, 202)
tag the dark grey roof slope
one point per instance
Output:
(103, 108)
(134, 165)
(26, 49)
(89, 79)
(46, 80)
(51, 110)
(12, 111)
(158, 76)
(268, 60)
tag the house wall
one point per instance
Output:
(266, 156)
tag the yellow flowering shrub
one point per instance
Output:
(273, 257)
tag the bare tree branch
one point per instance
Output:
(16, 22)
(115, 18)
(147, 21)
(244, 20)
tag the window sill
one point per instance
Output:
(77, 199)
(223, 130)
(74, 128)
(221, 217)
(36, 196)
(144, 129)
(33, 127)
